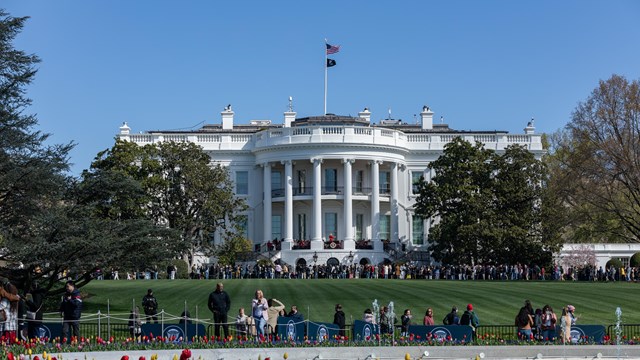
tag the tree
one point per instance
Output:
(457, 197)
(51, 224)
(595, 165)
(486, 207)
(517, 184)
(79, 234)
(183, 191)
(29, 170)
(233, 249)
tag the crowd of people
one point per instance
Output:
(21, 316)
(410, 270)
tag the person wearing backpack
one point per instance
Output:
(452, 317)
(471, 319)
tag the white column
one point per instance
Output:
(266, 202)
(375, 205)
(288, 204)
(394, 203)
(349, 244)
(316, 239)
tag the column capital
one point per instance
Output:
(313, 160)
(265, 164)
(346, 160)
(286, 162)
(379, 162)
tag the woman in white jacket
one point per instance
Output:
(259, 312)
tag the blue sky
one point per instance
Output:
(160, 65)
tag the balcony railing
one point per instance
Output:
(333, 245)
(328, 190)
(364, 245)
(301, 245)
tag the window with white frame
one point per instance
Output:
(385, 182)
(243, 226)
(331, 225)
(385, 227)
(359, 226)
(302, 226)
(331, 180)
(415, 181)
(276, 184)
(276, 226)
(359, 182)
(417, 233)
(242, 182)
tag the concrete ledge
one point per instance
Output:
(571, 352)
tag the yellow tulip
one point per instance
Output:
(285, 356)
(175, 357)
(407, 356)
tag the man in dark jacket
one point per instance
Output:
(219, 304)
(150, 306)
(452, 317)
(71, 310)
(339, 319)
(471, 319)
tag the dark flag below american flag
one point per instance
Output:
(331, 62)
(332, 49)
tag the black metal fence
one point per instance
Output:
(107, 329)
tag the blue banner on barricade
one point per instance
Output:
(322, 331)
(364, 331)
(174, 332)
(584, 333)
(49, 330)
(288, 329)
(457, 333)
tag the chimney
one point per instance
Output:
(125, 129)
(530, 129)
(289, 116)
(427, 118)
(365, 114)
(227, 118)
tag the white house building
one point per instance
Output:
(332, 189)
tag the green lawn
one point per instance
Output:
(495, 302)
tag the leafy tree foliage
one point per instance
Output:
(486, 206)
(182, 191)
(52, 225)
(595, 166)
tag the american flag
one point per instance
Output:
(332, 49)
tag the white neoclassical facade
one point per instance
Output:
(332, 189)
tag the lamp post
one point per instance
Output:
(315, 267)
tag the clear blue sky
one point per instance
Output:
(160, 65)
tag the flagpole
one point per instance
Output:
(325, 76)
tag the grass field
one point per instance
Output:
(495, 302)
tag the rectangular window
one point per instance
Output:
(243, 226)
(331, 225)
(331, 180)
(276, 227)
(385, 227)
(302, 181)
(242, 182)
(385, 182)
(415, 181)
(302, 226)
(359, 226)
(417, 234)
(276, 184)
(359, 182)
